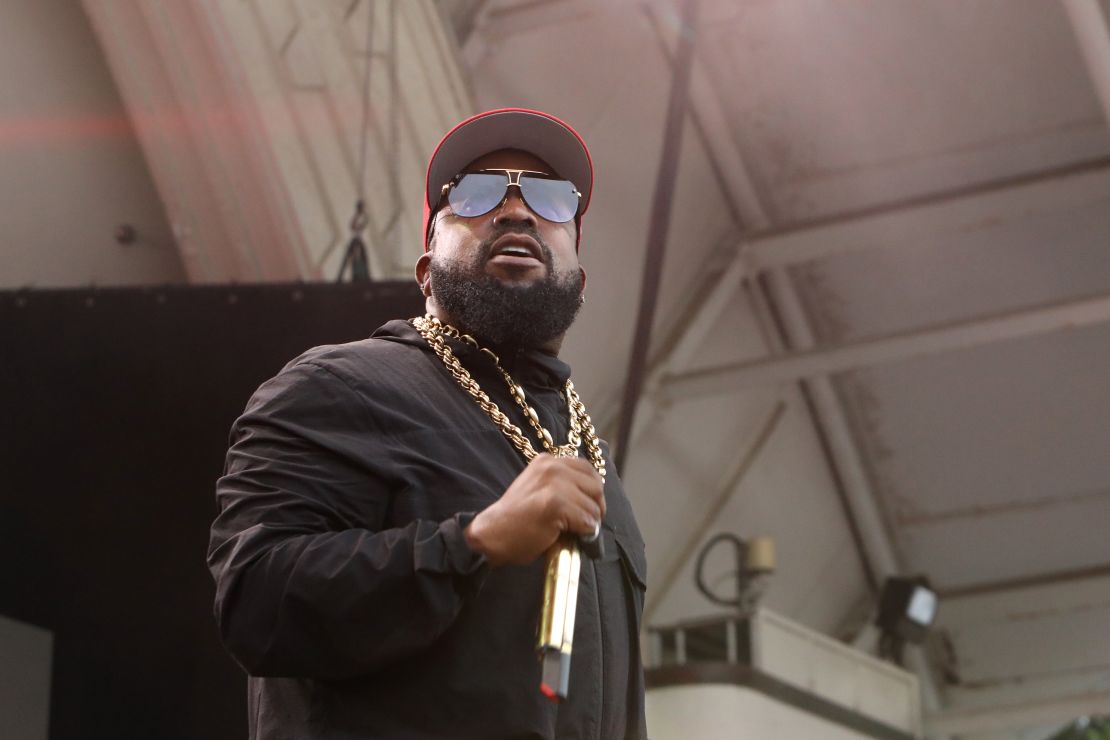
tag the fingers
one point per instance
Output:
(552, 496)
(583, 516)
(590, 483)
(576, 471)
(589, 525)
(577, 511)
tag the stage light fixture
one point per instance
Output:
(907, 609)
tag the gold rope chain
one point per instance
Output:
(581, 426)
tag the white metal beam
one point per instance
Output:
(1016, 716)
(890, 348)
(1093, 34)
(898, 227)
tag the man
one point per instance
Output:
(386, 503)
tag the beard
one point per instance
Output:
(526, 315)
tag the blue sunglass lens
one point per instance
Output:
(555, 200)
(476, 193)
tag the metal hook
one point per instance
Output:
(360, 220)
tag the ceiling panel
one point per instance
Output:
(839, 106)
(992, 463)
(1020, 262)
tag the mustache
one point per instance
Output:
(484, 249)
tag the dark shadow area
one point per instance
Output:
(116, 408)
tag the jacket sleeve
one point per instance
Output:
(309, 583)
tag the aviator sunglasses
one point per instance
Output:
(477, 193)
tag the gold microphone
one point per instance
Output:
(562, 566)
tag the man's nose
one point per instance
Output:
(514, 210)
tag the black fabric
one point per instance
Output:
(345, 586)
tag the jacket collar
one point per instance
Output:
(525, 365)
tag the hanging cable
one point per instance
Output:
(707, 591)
(356, 255)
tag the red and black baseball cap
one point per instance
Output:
(532, 131)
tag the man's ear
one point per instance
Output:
(422, 277)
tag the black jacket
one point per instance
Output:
(345, 587)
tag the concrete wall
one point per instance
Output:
(72, 170)
(713, 711)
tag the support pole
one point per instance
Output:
(657, 230)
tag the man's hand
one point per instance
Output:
(551, 496)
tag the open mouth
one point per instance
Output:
(516, 249)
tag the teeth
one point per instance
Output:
(516, 251)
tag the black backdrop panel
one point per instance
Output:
(116, 409)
